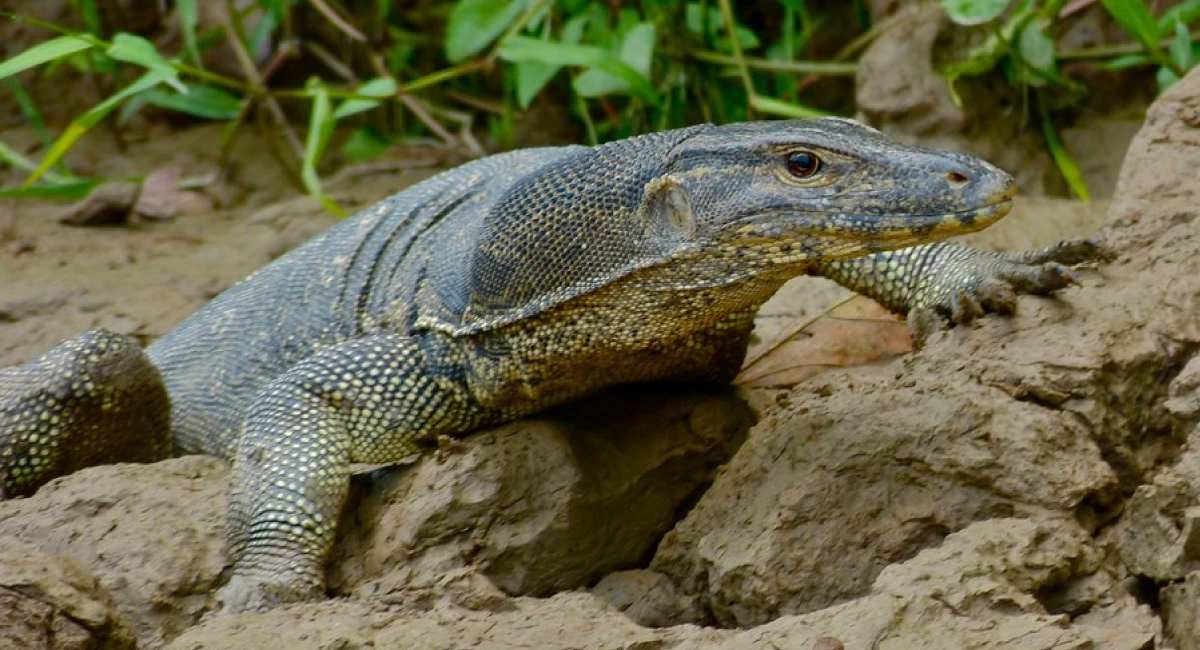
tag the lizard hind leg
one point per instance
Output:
(367, 400)
(92, 400)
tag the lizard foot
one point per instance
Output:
(968, 283)
(260, 593)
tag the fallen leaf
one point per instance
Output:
(854, 332)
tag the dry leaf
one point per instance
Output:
(854, 332)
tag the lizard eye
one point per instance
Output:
(803, 164)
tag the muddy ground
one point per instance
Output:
(1030, 482)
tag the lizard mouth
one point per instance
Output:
(871, 231)
(937, 226)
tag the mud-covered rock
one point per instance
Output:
(543, 505)
(862, 469)
(975, 591)
(150, 534)
(567, 621)
(649, 598)
(48, 602)
(1181, 609)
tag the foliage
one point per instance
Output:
(368, 71)
(623, 70)
(1022, 46)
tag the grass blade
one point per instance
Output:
(320, 128)
(1135, 17)
(1062, 159)
(189, 19)
(51, 50)
(139, 51)
(200, 101)
(780, 108)
(378, 88)
(67, 189)
(92, 117)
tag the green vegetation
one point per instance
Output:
(1023, 49)
(381, 70)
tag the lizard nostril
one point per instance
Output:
(957, 179)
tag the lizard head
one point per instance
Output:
(789, 191)
(701, 207)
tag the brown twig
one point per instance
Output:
(332, 16)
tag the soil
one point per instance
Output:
(1025, 482)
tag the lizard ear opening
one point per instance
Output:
(667, 210)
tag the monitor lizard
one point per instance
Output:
(500, 288)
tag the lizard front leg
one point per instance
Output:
(937, 282)
(369, 400)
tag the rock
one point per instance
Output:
(152, 535)
(48, 602)
(1161, 532)
(861, 469)
(567, 621)
(542, 505)
(1181, 609)
(972, 592)
(649, 598)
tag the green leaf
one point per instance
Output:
(1037, 51)
(521, 48)
(703, 21)
(72, 190)
(379, 87)
(1135, 17)
(1181, 48)
(780, 108)
(260, 38)
(15, 158)
(53, 49)
(1126, 61)
(320, 128)
(134, 49)
(746, 38)
(1165, 77)
(29, 110)
(364, 144)
(1062, 159)
(200, 101)
(92, 117)
(1184, 12)
(189, 18)
(637, 50)
(1035, 48)
(974, 12)
(532, 76)
(474, 24)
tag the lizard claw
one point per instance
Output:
(971, 283)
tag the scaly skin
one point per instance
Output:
(518, 282)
